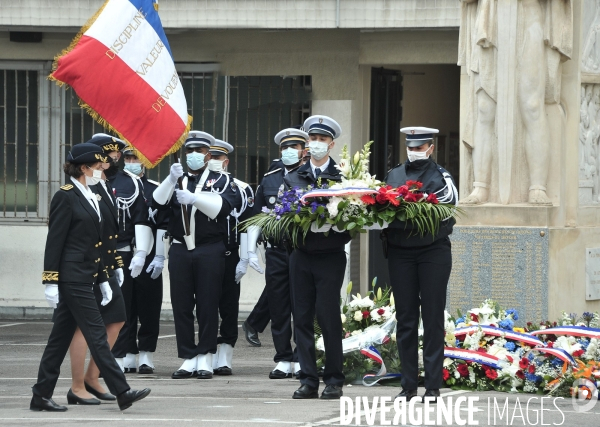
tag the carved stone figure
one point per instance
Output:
(545, 42)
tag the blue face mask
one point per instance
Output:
(289, 156)
(134, 168)
(195, 161)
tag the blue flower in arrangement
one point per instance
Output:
(530, 356)
(513, 312)
(460, 320)
(584, 343)
(506, 324)
(533, 377)
(510, 346)
(557, 362)
(457, 343)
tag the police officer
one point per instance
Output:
(259, 317)
(291, 144)
(134, 241)
(235, 268)
(197, 259)
(317, 270)
(73, 264)
(113, 312)
(420, 267)
(147, 288)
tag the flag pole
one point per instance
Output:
(186, 216)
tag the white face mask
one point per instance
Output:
(413, 156)
(215, 165)
(95, 178)
(318, 149)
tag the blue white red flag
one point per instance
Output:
(121, 67)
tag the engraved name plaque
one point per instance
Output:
(592, 274)
(506, 264)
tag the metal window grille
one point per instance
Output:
(18, 143)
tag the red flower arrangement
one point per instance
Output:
(463, 370)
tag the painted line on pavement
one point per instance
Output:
(253, 420)
(11, 324)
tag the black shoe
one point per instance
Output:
(182, 374)
(130, 370)
(73, 399)
(125, 400)
(407, 394)
(205, 375)
(431, 395)
(45, 404)
(332, 392)
(224, 370)
(101, 396)
(306, 392)
(276, 374)
(145, 369)
(251, 334)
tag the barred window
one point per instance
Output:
(18, 143)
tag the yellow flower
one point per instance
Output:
(522, 330)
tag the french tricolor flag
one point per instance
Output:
(121, 67)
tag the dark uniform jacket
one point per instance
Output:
(207, 231)
(435, 179)
(159, 220)
(267, 193)
(232, 237)
(124, 186)
(110, 228)
(74, 244)
(317, 242)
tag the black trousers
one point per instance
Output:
(229, 303)
(123, 343)
(316, 281)
(77, 307)
(277, 277)
(196, 278)
(419, 277)
(146, 303)
(259, 317)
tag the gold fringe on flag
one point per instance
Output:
(95, 115)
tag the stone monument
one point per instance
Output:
(530, 156)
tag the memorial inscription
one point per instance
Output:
(592, 274)
(506, 264)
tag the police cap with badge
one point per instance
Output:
(198, 138)
(219, 148)
(322, 125)
(86, 153)
(107, 142)
(418, 135)
(291, 136)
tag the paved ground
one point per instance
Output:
(246, 398)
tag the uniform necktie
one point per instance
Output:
(317, 172)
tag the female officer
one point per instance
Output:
(113, 313)
(420, 267)
(73, 264)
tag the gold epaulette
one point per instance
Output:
(66, 187)
(49, 276)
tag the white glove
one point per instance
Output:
(176, 172)
(253, 261)
(120, 276)
(316, 229)
(137, 263)
(156, 266)
(185, 197)
(52, 295)
(106, 293)
(240, 269)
